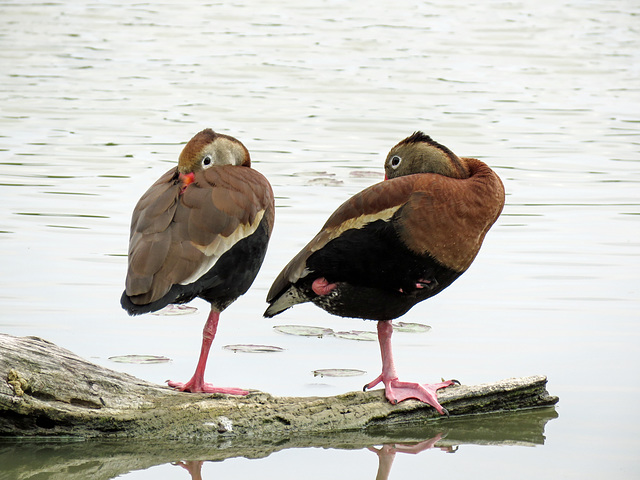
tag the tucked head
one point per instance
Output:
(420, 154)
(209, 148)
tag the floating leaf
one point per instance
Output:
(317, 173)
(411, 327)
(358, 335)
(303, 330)
(338, 372)
(140, 359)
(325, 182)
(248, 348)
(176, 310)
(366, 174)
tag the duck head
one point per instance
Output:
(208, 148)
(418, 153)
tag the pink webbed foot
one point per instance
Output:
(321, 286)
(198, 386)
(392, 449)
(397, 391)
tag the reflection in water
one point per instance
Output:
(103, 460)
(194, 467)
(387, 453)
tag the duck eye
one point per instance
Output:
(395, 161)
(206, 161)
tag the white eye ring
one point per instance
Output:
(207, 161)
(395, 161)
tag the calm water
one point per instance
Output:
(96, 100)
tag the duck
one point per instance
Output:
(201, 230)
(395, 244)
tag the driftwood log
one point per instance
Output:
(47, 391)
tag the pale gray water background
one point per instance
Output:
(97, 98)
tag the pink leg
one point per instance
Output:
(395, 390)
(197, 383)
(194, 467)
(322, 287)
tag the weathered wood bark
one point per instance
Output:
(48, 391)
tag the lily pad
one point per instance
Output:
(176, 310)
(358, 335)
(249, 348)
(303, 330)
(325, 182)
(411, 327)
(140, 359)
(366, 174)
(338, 372)
(317, 173)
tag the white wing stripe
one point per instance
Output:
(220, 246)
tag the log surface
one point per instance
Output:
(48, 391)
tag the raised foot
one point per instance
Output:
(202, 387)
(321, 286)
(397, 391)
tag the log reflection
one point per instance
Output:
(73, 460)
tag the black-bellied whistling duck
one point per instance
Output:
(200, 231)
(395, 244)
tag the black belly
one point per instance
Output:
(378, 277)
(230, 277)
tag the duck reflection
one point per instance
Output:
(387, 453)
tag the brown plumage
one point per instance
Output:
(396, 243)
(202, 231)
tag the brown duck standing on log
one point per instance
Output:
(395, 244)
(200, 231)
